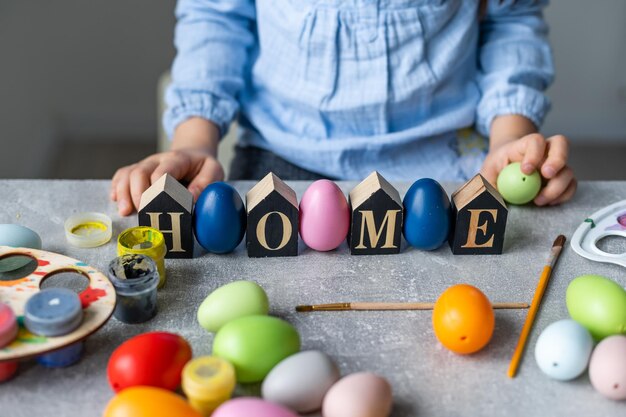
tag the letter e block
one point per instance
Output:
(273, 219)
(479, 214)
(377, 213)
(167, 206)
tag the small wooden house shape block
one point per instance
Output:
(479, 219)
(273, 223)
(377, 213)
(167, 206)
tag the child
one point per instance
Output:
(339, 88)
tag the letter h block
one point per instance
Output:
(479, 214)
(377, 213)
(167, 206)
(273, 219)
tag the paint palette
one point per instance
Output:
(98, 301)
(609, 221)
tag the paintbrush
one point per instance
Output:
(389, 306)
(557, 247)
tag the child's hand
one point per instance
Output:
(548, 156)
(193, 158)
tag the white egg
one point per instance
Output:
(300, 381)
(563, 350)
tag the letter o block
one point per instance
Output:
(273, 222)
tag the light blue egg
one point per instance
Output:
(18, 237)
(563, 350)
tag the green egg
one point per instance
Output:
(231, 301)
(599, 304)
(517, 187)
(255, 344)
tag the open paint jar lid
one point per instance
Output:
(208, 378)
(88, 230)
(53, 312)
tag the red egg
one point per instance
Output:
(151, 359)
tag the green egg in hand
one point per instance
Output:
(599, 304)
(517, 187)
(231, 301)
(255, 344)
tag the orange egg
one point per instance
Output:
(148, 402)
(463, 319)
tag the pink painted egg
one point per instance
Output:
(324, 216)
(358, 395)
(249, 406)
(607, 368)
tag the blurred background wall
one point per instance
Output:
(78, 84)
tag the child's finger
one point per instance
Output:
(568, 194)
(211, 171)
(558, 149)
(489, 170)
(172, 164)
(140, 181)
(122, 189)
(116, 177)
(555, 187)
(533, 148)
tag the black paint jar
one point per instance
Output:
(135, 278)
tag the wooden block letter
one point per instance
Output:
(272, 219)
(377, 213)
(479, 214)
(167, 206)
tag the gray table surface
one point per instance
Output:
(427, 379)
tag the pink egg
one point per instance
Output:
(607, 368)
(249, 407)
(358, 395)
(324, 216)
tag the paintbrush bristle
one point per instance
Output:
(304, 308)
(559, 241)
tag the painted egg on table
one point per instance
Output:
(517, 187)
(231, 301)
(17, 236)
(153, 359)
(301, 381)
(148, 402)
(597, 303)
(324, 216)
(607, 367)
(251, 407)
(563, 350)
(427, 215)
(255, 344)
(463, 319)
(219, 218)
(359, 395)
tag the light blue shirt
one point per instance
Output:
(345, 87)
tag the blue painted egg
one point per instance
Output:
(219, 218)
(563, 350)
(427, 215)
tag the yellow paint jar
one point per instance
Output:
(147, 241)
(208, 381)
